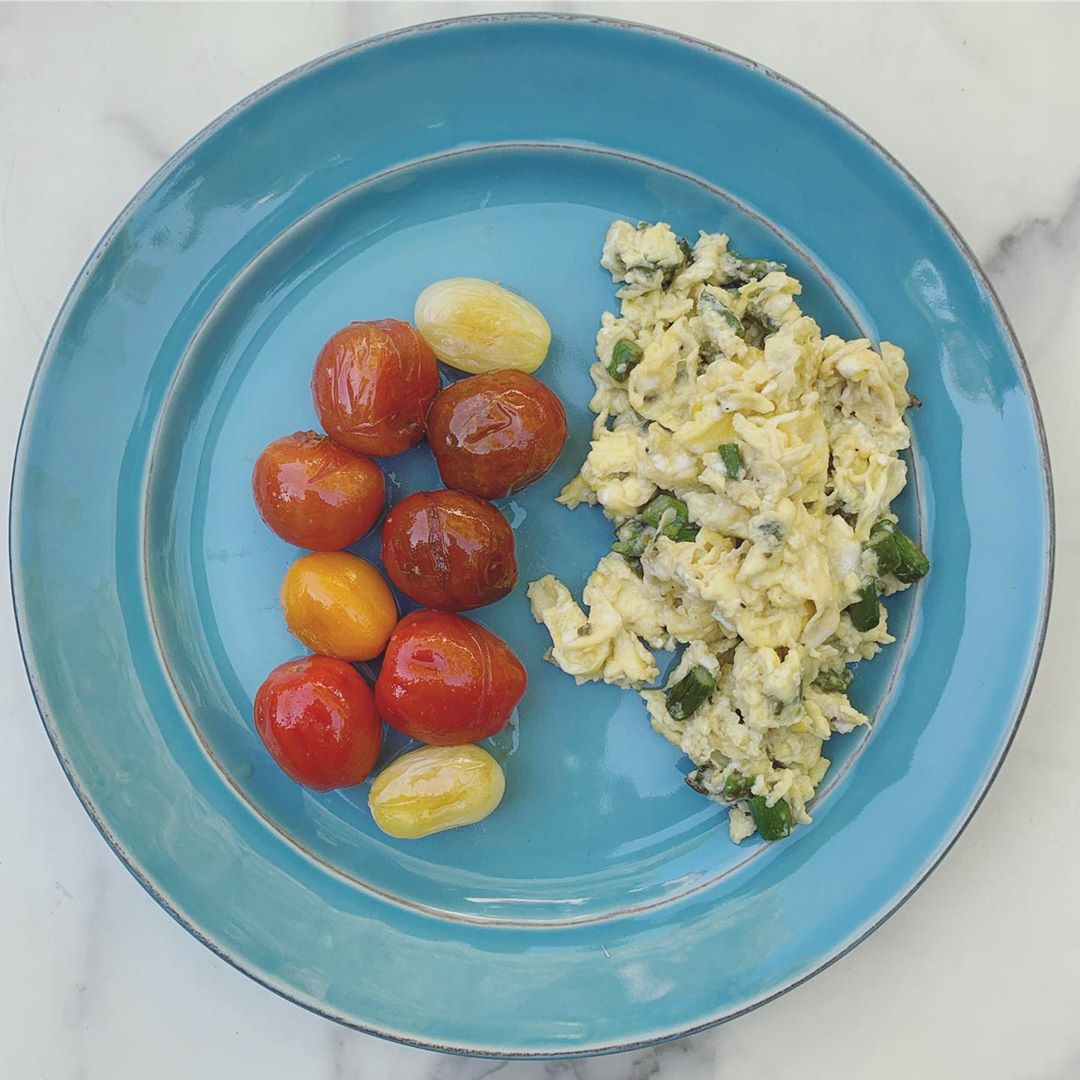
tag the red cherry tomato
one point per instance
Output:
(373, 384)
(316, 494)
(449, 550)
(446, 680)
(317, 717)
(496, 433)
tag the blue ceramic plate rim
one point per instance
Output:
(1025, 681)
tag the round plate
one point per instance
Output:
(603, 905)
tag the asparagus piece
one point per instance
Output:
(625, 356)
(689, 693)
(731, 456)
(866, 611)
(773, 822)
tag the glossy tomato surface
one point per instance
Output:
(449, 550)
(373, 384)
(447, 680)
(338, 604)
(316, 494)
(496, 433)
(316, 716)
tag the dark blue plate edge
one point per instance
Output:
(520, 17)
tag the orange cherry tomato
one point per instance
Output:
(449, 550)
(316, 494)
(496, 433)
(338, 604)
(373, 384)
(317, 717)
(447, 680)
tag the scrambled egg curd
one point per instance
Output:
(748, 465)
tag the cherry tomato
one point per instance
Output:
(317, 717)
(449, 550)
(373, 384)
(316, 494)
(435, 788)
(446, 680)
(338, 604)
(496, 433)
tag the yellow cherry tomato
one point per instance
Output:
(478, 326)
(338, 605)
(436, 788)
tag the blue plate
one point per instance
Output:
(602, 906)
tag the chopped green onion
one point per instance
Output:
(659, 505)
(737, 786)
(834, 681)
(689, 693)
(866, 611)
(731, 456)
(625, 356)
(773, 822)
(686, 249)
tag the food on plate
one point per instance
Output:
(436, 788)
(477, 326)
(495, 433)
(748, 465)
(316, 494)
(449, 550)
(373, 384)
(338, 604)
(316, 716)
(444, 680)
(447, 680)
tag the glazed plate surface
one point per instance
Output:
(602, 906)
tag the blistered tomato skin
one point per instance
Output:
(449, 550)
(338, 604)
(316, 494)
(373, 384)
(434, 789)
(447, 680)
(496, 433)
(317, 717)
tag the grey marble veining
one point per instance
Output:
(979, 974)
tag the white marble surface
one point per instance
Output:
(979, 975)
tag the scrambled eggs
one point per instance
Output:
(748, 464)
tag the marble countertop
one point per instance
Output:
(979, 974)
